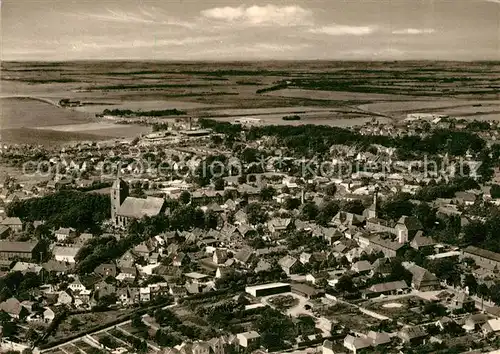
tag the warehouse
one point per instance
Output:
(268, 289)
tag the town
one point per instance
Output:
(238, 237)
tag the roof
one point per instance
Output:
(11, 306)
(265, 286)
(422, 241)
(249, 335)
(11, 221)
(483, 253)
(287, 261)
(65, 251)
(356, 342)
(15, 246)
(305, 289)
(389, 286)
(492, 325)
(411, 222)
(413, 332)
(139, 207)
(361, 266)
(195, 275)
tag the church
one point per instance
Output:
(125, 208)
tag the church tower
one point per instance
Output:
(371, 211)
(119, 191)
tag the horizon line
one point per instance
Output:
(249, 60)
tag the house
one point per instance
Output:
(423, 280)
(483, 258)
(220, 256)
(65, 254)
(106, 270)
(84, 238)
(356, 344)
(289, 264)
(63, 298)
(248, 340)
(277, 225)
(361, 267)
(491, 326)
(55, 267)
(127, 274)
(475, 322)
(386, 245)
(413, 335)
(244, 256)
(14, 223)
(179, 259)
(76, 285)
(141, 250)
(11, 250)
(421, 242)
(14, 308)
(389, 288)
(464, 302)
(64, 234)
(307, 291)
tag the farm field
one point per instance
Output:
(324, 92)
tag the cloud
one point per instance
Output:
(141, 16)
(260, 15)
(414, 31)
(140, 43)
(342, 30)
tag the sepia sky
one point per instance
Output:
(238, 30)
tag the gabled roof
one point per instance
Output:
(287, 261)
(389, 286)
(138, 207)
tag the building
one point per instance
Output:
(65, 254)
(483, 258)
(268, 289)
(18, 250)
(423, 280)
(125, 208)
(249, 340)
(15, 224)
(64, 234)
(307, 291)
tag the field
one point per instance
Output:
(321, 92)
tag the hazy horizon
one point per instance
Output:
(229, 30)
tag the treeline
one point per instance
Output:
(153, 113)
(312, 139)
(280, 86)
(82, 211)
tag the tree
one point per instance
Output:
(483, 291)
(256, 214)
(309, 211)
(137, 321)
(345, 284)
(471, 283)
(267, 193)
(219, 184)
(291, 203)
(352, 206)
(331, 189)
(185, 197)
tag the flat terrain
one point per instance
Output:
(320, 92)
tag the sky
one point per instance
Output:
(261, 29)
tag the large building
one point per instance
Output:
(268, 289)
(125, 208)
(483, 258)
(18, 250)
